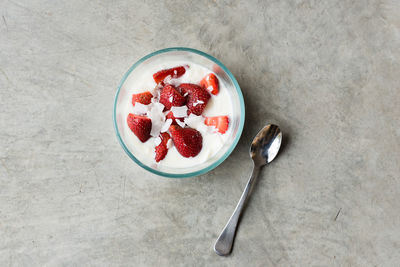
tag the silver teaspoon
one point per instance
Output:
(263, 150)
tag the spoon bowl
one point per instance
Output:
(266, 144)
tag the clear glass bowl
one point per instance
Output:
(190, 55)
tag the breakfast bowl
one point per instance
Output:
(216, 147)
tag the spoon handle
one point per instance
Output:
(224, 243)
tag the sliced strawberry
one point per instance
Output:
(187, 141)
(221, 123)
(210, 82)
(175, 72)
(162, 149)
(164, 138)
(171, 97)
(140, 126)
(186, 88)
(197, 98)
(143, 98)
(171, 116)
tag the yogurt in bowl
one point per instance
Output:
(170, 98)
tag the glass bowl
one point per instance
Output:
(181, 54)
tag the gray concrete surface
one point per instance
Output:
(327, 73)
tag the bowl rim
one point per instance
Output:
(221, 159)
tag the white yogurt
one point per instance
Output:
(218, 105)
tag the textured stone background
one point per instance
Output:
(327, 72)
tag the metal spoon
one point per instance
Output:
(263, 150)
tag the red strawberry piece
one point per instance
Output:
(197, 97)
(210, 82)
(143, 98)
(140, 126)
(174, 72)
(186, 88)
(187, 141)
(171, 97)
(221, 123)
(161, 149)
(171, 116)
